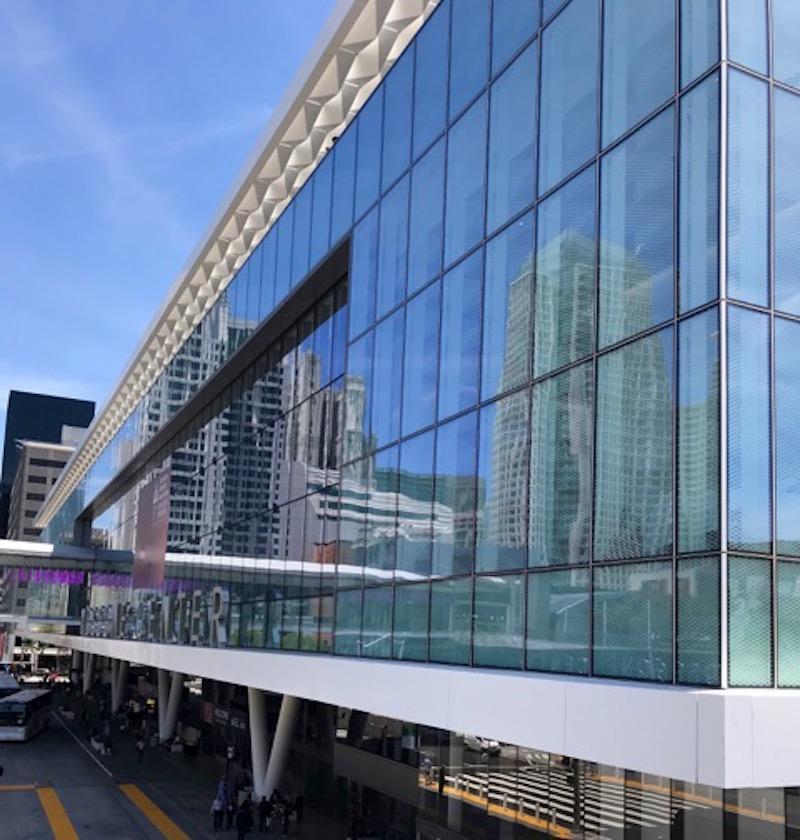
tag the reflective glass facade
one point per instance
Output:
(557, 386)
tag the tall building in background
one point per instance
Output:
(35, 417)
(485, 383)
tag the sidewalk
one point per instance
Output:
(184, 786)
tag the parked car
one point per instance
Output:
(485, 746)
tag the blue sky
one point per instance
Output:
(124, 124)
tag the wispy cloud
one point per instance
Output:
(81, 123)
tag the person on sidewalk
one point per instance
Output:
(218, 811)
(244, 819)
(298, 807)
(140, 748)
(230, 812)
(264, 813)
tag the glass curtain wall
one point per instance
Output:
(509, 454)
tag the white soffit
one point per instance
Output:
(358, 45)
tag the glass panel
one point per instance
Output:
(302, 233)
(348, 622)
(387, 379)
(747, 33)
(787, 430)
(283, 267)
(415, 507)
(427, 225)
(268, 249)
(368, 160)
(566, 255)
(469, 51)
(459, 357)
(363, 273)
(466, 159)
(376, 631)
(748, 183)
(749, 622)
(420, 366)
(558, 621)
(568, 133)
(788, 624)
(512, 132)
(398, 89)
(508, 278)
(513, 23)
(632, 613)
(382, 517)
(786, 41)
(410, 640)
(503, 484)
(698, 648)
(633, 482)
(638, 61)
(321, 210)
(358, 399)
(454, 499)
(699, 37)
(636, 231)
(430, 84)
(749, 475)
(561, 469)
(787, 201)
(698, 260)
(698, 433)
(392, 250)
(499, 607)
(344, 168)
(451, 620)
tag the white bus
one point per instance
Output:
(24, 714)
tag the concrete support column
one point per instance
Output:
(75, 668)
(119, 685)
(88, 667)
(170, 720)
(114, 675)
(282, 743)
(163, 699)
(257, 707)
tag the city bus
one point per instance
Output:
(24, 714)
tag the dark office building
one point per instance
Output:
(35, 417)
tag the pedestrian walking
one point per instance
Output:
(218, 811)
(244, 819)
(264, 811)
(287, 814)
(230, 813)
(140, 748)
(298, 807)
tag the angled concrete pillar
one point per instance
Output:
(88, 668)
(257, 707)
(282, 743)
(167, 723)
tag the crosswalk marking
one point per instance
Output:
(60, 823)
(153, 813)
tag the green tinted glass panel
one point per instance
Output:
(451, 620)
(410, 639)
(698, 591)
(749, 622)
(632, 618)
(789, 624)
(558, 621)
(499, 609)
(376, 629)
(348, 622)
